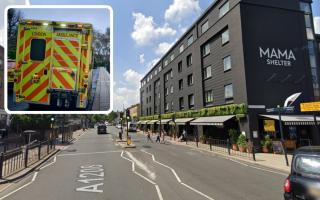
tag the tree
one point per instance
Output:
(101, 49)
(112, 116)
(13, 20)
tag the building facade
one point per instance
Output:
(238, 52)
(134, 111)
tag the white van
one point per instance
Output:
(132, 126)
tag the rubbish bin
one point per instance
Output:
(129, 142)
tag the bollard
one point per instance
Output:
(228, 146)
(253, 152)
(26, 157)
(39, 151)
(197, 141)
(48, 147)
(1, 164)
(210, 143)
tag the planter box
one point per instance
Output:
(235, 147)
(243, 149)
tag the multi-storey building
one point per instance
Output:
(134, 111)
(252, 52)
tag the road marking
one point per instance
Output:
(49, 164)
(140, 175)
(177, 177)
(142, 166)
(283, 174)
(20, 188)
(92, 153)
(88, 174)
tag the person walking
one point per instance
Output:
(158, 138)
(149, 138)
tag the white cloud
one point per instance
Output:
(146, 30)
(132, 78)
(162, 48)
(128, 93)
(141, 59)
(317, 24)
(181, 9)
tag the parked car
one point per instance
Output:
(132, 127)
(304, 179)
(118, 126)
(102, 129)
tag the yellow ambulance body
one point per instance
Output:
(53, 63)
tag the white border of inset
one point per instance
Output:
(109, 8)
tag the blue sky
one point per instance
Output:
(99, 18)
(160, 23)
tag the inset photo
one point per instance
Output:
(58, 59)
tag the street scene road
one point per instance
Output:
(99, 98)
(96, 167)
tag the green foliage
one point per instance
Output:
(30, 122)
(240, 110)
(242, 141)
(267, 142)
(234, 135)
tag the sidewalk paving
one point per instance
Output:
(269, 160)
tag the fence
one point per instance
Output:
(224, 146)
(18, 159)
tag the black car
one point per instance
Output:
(102, 129)
(304, 179)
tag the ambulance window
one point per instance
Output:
(38, 49)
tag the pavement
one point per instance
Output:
(96, 167)
(101, 100)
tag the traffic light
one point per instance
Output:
(127, 113)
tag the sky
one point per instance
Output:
(143, 31)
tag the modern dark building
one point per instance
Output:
(318, 39)
(251, 52)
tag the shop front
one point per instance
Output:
(165, 127)
(152, 126)
(143, 125)
(298, 130)
(182, 124)
(215, 127)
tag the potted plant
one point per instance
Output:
(266, 144)
(242, 143)
(233, 135)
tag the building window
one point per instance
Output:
(224, 9)
(207, 72)
(225, 37)
(181, 103)
(227, 63)
(172, 57)
(228, 91)
(189, 60)
(165, 62)
(166, 77)
(191, 101)
(190, 40)
(180, 67)
(156, 72)
(160, 69)
(205, 27)
(171, 105)
(308, 21)
(208, 95)
(312, 54)
(171, 74)
(149, 88)
(310, 35)
(150, 76)
(171, 89)
(148, 80)
(181, 84)
(166, 91)
(166, 107)
(181, 49)
(206, 49)
(190, 79)
(38, 49)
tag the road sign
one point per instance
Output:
(285, 109)
(310, 107)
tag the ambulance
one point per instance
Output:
(53, 63)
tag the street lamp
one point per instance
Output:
(127, 117)
(51, 135)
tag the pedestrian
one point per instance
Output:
(158, 138)
(149, 138)
(184, 134)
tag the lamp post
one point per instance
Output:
(127, 117)
(52, 121)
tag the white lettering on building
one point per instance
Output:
(277, 57)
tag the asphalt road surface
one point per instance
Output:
(94, 167)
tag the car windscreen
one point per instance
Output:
(307, 165)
